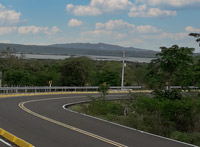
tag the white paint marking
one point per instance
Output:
(8, 144)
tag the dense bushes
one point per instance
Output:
(29, 72)
(167, 117)
(181, 115)
(193, 138)
(174, 118)
(102, 107)
(167, 94)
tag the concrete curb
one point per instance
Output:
(49, 93)
(85, 92)
(15, 140)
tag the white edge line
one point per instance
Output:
(8, 144)
(69, 104)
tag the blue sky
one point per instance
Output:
(146, 24)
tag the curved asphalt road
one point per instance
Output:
(43, 122)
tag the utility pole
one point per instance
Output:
(0, 78)
(123, 64)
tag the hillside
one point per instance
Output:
(99, 49)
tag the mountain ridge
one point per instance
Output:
(95, 46)
(99, 49)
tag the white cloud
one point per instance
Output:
(31, 29)
(74, 23)
(157, 8)
(167, 35)
(191, 29)
(98, 7)
(52, 30)
(137, 8)
(99, 25)
(104, 34)
(8, 17)
(119, 31)
(114, 24)
(147, 29)
(119, 35)
(96, 33)
(176, 36)
(86, 10)
(120, 25)
(24, 30)
(125, 33)
(111, 5)
(159, 12)
(69, 7)
(152, 12)
(7, 30)
(142, 7)
(28, 30)
(173, 3)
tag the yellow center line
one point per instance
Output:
(21, 105)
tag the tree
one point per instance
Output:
(196, 35)
(103, 89)
(16, 77)
(196, 73)
(7, 58)
(109, 72)
(110, 77)
(77, 72)
(171, 65)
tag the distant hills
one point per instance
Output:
(100, 49)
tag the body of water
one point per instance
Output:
(98, 58)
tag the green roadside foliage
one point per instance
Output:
(100, 106)
(177, 119)
(77, 72)
(173, 66)
(103, 89)
(167, 117)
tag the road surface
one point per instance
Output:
(41, 121)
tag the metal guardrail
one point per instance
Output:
(8, 90)
(13, 90)
(180, 87)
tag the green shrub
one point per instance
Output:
(102, 107)
(166, 116)
(166, 94)
(193, 138)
